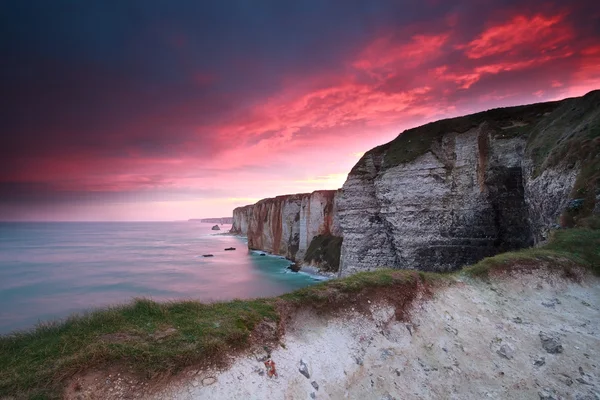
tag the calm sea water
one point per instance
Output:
(51, 270)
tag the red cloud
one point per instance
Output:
(536, 34)
(385, 52)
(314, 124)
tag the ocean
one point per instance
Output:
(51, 270)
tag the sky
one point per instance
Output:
(168, 110)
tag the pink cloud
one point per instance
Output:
(307, 134)
(538, 33)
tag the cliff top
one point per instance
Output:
(543, 124)
(289, 197)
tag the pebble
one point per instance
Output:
(551, 303)
(208, 381)
(315, 385)
(304, 369)
(546, 394)
(506, 351)
(550, 343)
(539, 362)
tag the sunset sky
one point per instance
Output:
(165, 110)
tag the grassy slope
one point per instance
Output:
(151, 338)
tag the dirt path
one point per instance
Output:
(531, 336)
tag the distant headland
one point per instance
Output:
(222, 220)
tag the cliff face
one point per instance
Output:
(241, 218)
(445, 194)
(286, 225)
(449, 193)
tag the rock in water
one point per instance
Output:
(230, 249)
(304, 369)
(207, 255)
(293, 267)
(550, 343)
(216, 228)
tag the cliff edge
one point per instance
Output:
(452, 192)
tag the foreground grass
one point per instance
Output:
(147, 337)
(151, 338)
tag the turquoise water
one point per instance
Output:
(51, 270)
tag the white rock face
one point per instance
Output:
(286, 225)
(452, 206)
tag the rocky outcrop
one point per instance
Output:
(286, 225)
(449, 193)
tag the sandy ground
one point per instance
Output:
(473, 340)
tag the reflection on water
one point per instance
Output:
(50, 270)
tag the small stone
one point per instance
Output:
(315, 385)
(451, 330)
(550, 343)
(546, 394)
(517, 320)
(195, 383)
(358, 360)
(313, 395)
(506, 351)
(304, 369)
(567, 380)
(539, 362)
(583, 381)
(551, 303)
(386, 353)
(208, 381)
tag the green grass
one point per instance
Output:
(147, 337)
(415, 142)
(325, 250)
(566, 248)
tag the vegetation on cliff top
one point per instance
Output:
(566, 248)
(570, 136)
(412, 143)
(150, 338)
